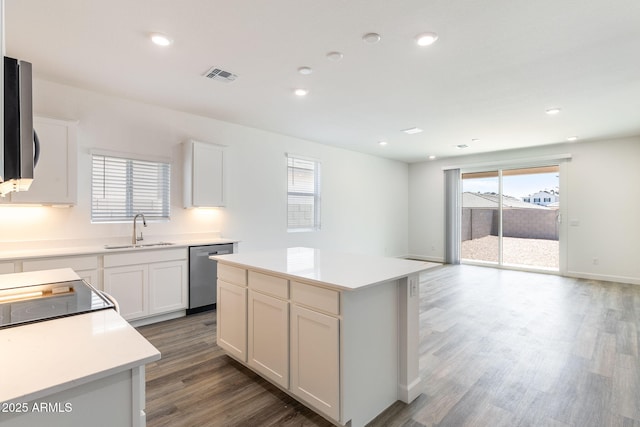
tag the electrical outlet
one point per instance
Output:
(413, 286)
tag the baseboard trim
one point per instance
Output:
(603, 277)
(158, 318)
(409, 393)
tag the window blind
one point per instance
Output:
(453, 215)
(122, 187)
(303, 197)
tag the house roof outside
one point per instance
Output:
(492, 201)
(543, 193)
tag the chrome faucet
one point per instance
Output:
(135, 239)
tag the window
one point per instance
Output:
(303, 194)
(122, 187)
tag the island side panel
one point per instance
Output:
(369, 352)
(409, 381)
(111, 400)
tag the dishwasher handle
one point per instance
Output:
(209, 253)
(220, 252)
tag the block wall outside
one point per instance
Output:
(530, 223)
(477, 223)
(300, 215)
(520, 223)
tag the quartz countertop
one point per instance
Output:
(32, 278)
(329, 268)
(95, 247)
(42, 358)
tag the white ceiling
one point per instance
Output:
(496, 68)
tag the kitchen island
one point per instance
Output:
(80, 370)
(338, 332)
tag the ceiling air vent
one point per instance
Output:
(221, 75)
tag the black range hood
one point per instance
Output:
(21, 145)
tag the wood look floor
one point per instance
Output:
(498, 348)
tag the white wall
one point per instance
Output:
(599, 189)
(364, 198)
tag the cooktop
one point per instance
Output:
(28, 304)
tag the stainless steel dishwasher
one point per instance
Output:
(203, 274)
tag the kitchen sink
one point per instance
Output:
(141, 245)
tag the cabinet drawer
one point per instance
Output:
(231, 274)
(316, 297)
(141, 256)
(272, 285)
(76, 263)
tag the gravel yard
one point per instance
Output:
(530, 252)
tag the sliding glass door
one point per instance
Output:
(510, 217)
(480, 219)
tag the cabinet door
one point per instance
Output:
(232, 319)
(128, 285)
(268, 340)
(205, 170)
(55, 174)
(167, 286)
(315, 360)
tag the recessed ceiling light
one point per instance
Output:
(426, 39)
(475, 140)
(572, 138)
(461, 146)
(161, 39)
(335, 56)
(432, 157)
(552, 111)
(382, 143)
(371, 38)
(305, 71)
(411, 131)
(301, 92)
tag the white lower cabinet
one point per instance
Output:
(231, 315)
(288, 332)
(268, 336)
(129, 286)
(315, 359)
(166, 287)
(147, 283)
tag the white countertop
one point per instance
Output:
(32, 278)
(89, 247)
(335, 269)
(42, 358)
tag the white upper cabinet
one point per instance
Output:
(55, 175)
(204, 175)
